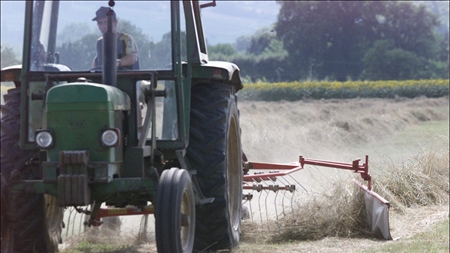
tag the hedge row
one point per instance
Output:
(292, 91)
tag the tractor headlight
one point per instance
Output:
(44, 138)
(110, 137)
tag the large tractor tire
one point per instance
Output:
(29, 222)
(215, 152)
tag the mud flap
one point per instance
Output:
(377, 211)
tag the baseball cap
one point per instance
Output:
(101, 13)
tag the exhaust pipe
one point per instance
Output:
(109, 73)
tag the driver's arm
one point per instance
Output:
(128, 59)
(94, 62)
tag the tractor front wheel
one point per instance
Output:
(175, 212)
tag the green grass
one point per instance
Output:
(435, 240)
(415, 139)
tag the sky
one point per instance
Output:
(222, 24)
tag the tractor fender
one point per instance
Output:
(218, 71)
(12, 74)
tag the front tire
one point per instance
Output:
(215, 152)
(29, 222)
(175, 212)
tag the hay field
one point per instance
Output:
(393, 132)
(406, 139)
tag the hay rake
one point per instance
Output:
(274, 177)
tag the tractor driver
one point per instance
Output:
(127, 51)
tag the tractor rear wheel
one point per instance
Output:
(215, 152)
(29, 222)
(175, 212)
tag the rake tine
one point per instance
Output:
(85, 218)
(73, 224)
(299, 184)
(143, 228)
(247, 201)
(265, 203)
(292, 201)
(268, 193)
(81, 224)
(259, 205)
(68, 223)
(275, 204)
(251, 210)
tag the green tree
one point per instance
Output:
(8, 57)
(261, 40)
(410, 27)
(261, 56)
(73, 31)
(79, 54)
(332, 38)
(221, 51)
(385, 62)
(242, 43)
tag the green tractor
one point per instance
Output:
(164, 139)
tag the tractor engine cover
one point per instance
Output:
(79, 115)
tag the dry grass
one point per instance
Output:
(340, 213)
(109, 238)
(421, 181)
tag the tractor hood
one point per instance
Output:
(86, 96)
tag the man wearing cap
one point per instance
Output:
(127, 51)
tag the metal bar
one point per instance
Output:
(260, 187)
(350, 166)
(272, 175)
(365, 188)
(109, 212)
(272, 166)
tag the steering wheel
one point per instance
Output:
(99, 69)
(95, 69)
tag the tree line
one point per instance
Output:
(346, 40)
(311, 40)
